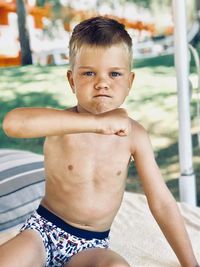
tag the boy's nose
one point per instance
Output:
(101, 84)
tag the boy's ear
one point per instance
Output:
(71, 80)
(131, 79)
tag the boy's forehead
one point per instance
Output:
(88, 53)
(99, 49)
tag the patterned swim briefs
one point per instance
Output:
(62, 240)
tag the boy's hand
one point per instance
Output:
(114, 122)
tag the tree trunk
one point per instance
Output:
(26, 57)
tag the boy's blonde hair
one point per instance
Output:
(98, 31)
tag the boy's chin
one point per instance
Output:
(96, 110)
(102, 108)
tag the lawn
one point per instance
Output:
(152, 102)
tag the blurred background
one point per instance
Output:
(34, 36)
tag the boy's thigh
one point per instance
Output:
(24, 250)
(97, 257)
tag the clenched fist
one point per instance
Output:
(114, 122)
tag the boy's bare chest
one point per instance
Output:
(88, 155)
(95, 146)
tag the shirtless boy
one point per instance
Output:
(87, 153)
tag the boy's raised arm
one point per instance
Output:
(40, 122)
(161, 203)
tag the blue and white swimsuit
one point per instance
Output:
(62, 240)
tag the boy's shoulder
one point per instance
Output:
(139, 136)
(137, 128)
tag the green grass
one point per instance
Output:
(152, 102)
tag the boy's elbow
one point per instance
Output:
(162, 206)
(12, 126)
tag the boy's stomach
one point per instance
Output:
(85, 206)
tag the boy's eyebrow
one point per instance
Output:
(91, 67)
(118, 68)
(85, 67)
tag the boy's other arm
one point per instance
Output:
(161, 203)
(40, 122)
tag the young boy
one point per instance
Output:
(87, 152)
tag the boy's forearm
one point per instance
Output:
(40, 122)
(172, 226)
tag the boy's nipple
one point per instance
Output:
(118, 173)
(70, 167)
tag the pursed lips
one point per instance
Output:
(102, 95)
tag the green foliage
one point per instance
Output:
(40, 3)
(149, 3)
(56, 5)
(144, 3)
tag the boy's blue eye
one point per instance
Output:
(88, 73)
(115, 74)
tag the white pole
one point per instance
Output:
(187, 184)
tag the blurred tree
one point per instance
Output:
(110, 2)
(144, 3)
(26, 57)
(40, 2)
(56, 5)
(148, 3)
(59, 13)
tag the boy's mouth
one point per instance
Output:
(102, 95)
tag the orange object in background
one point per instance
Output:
(169, 30)
(8, 61)
(38, 14)
(5, 9)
